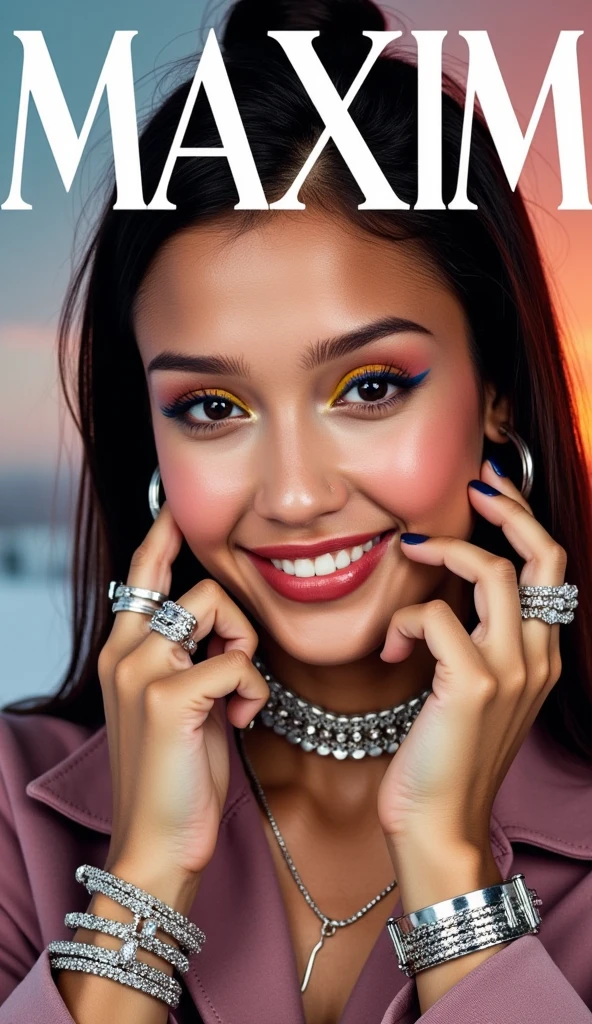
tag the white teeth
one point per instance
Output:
(324, 565)
(342, 559)
(304, 567)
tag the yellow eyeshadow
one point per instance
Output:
(220, 393)
(359, 372)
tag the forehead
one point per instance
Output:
(305, 273)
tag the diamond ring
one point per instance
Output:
(175, 623)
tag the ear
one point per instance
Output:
(497, 410)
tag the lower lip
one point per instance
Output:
(321, 588)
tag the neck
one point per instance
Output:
(368, 684)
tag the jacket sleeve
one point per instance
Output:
(28, 992)
(521, 983)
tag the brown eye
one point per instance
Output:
(216, 408)
(371, 390)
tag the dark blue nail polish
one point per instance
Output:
(496, 467)
(480, 485)
(414, 538)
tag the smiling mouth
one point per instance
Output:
(327, 563)
(327, 576)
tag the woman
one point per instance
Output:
(328, 396)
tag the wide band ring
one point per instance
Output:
(176, 624)
(551, 604)
(123, 590)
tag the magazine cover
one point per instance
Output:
(295, 517)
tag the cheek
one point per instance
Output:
(203, 500)
(421, 470)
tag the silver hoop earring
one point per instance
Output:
(525, 458)
(154, 493)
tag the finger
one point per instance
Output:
(497, 602)
(460, 664)
(503, 483)
(151, 567)
(545, 563)
(157, 656)
(194, 691)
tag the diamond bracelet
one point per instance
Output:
(105, 967)
(464, 924)
(157, 914)
(132, 939)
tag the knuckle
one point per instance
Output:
(140, 556)
(154, 696)
(485, 686)
(516, 679)
(123, 673)
(558, 557)
(438, 608)
(504, 570)
(210, 589)
(540, 674)
(238, 658)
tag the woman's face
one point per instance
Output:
(297, 440)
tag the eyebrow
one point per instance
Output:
(317, 354)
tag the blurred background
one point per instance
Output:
(39, 454)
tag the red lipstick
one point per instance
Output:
(319, 588)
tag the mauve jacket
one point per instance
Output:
(55, 813)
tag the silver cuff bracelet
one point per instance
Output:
(464, 924)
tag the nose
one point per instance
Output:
(298, 478)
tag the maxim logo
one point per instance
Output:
(485, 84)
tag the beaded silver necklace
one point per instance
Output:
(313, 727)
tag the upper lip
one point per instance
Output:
(317, 547)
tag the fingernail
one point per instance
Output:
(496, 467)
(480, 485)
(414, 538)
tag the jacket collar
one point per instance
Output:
(545, 800)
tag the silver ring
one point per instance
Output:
(123, 590)
(551, 604)
(133, 604)
(176, 624)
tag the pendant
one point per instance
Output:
(327, 930)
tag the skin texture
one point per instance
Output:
(290, 468)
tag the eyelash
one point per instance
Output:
(400, 378)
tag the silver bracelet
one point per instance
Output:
(157, 914)
(132, 939)
(104, 963)
(464, 924)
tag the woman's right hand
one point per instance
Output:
(165, 719)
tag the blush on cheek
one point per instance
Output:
(423, 477)
(203, 514)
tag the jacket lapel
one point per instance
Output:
(246, 972)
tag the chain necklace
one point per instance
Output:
(329, 926)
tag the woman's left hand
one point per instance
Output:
(488, 686)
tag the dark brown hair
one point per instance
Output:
(488, 256)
